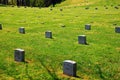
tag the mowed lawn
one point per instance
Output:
(100, 59)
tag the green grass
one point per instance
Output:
(98, 60)
(88, 2)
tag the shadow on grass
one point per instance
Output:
(51, 73)
(100, 72)
(26, 71)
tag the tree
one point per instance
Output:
(32, 3)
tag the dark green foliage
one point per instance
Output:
(32, 3)
(3, 1)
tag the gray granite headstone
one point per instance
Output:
(96, 8)
(51, 9)
(88, 27)
(106, 7)
(69, 68)
(116, 7)
(87, 8)
(82, 39)
(22, 30)
(117, 29)
(61, 9)
(19, 55)
(62, 25)
(0, 26)
(48, 34)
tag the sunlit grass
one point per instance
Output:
(100, 59)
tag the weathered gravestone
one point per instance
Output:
(62, 25)
(22, 30)
(61, 9)
(117, 29)
(69, 68)
(12, 6)
(0, 26)
(82, 39)
(87, 8)
(114, 24)
(88, 27)
(48, 34)
(25, 6)
(106, 7)
(116, 7)
(19, 55)
(96, 8)
(51, 9)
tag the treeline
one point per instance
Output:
(31, 3)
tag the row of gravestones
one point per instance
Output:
(69, 67)
(81, 38)
(88, 8)
(116, 7)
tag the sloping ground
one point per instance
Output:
(88, 2)
(99, 60)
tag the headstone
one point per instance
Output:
(0, 26)
(19, 55)
(69, 68)
(42, 22)
(25, 6)
(116, 7)
(96, 8)
(76, 16)
(12, 6)
(51, 9)
(87, 8)
(88, 27)
(62, 25)
(114, 24)
(106, 7)
(82, 39)
(117, 29)
(22, 30)
(61, 9)
(48, 34)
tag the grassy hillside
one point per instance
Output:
(78, 2)
(100, 59)
(89, 2)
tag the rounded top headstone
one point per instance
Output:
(20, 49)
(88, 24)
(82, 35)
(48, 31)
(22, 27)
(61, 9)
(62, 25)
(70, 61)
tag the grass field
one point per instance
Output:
(100, 59)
